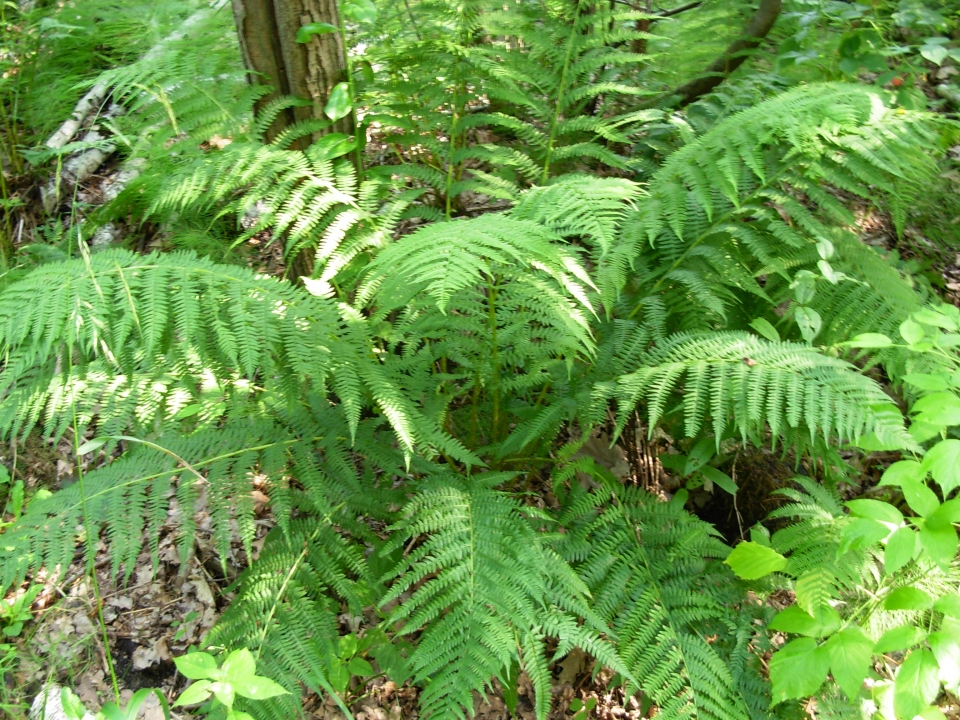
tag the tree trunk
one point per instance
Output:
(271, 53)
(733, 57)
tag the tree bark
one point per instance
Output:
(734, 56)
(268, 40)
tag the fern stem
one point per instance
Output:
(276, 602)
(705, 234)
(560, 92)
(455, 116)
(88, 538)
(495, 359)
(358, 149)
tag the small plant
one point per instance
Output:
(15, 611)
(237, 676)
(74, 709)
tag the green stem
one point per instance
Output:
(704, 235)
(88, 532)
(455, 115)
(560, 92)
(495, 359)
(358, 150)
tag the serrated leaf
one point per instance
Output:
(752, 561)
(899, 638)
(850, 654)
(900, 549)
(917, 684)
(798, 669)
(943, 462)
(908, 598)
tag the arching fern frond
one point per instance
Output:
(740, 380)
(654, 575)
(487, 592)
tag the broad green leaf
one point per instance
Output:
(946, 650)
(339, 104)
(752, 561)
(917, 684)
(347, 646)
(798, 669)
(921, 499)
(926, 382)
(943, 462)
(850, 653)
(899, 638)
(949, 604)
(720, 479)
(332, 145)
(259, 688)
(765, 329)
(932, 713)
(934, 53)
(861, 533)
(911, 331)
(941, 408)
(809, 322)
(90, 445)
(359, 666)
(869, 340)
(875, 510)
(900, 549)
(239, 666)
(196, 666)
(939, 540)
(795, 620)
(225, 692)
(908, 598)
(196, 693)
(362, 11)
(948, 512)
(814, 589)
(315, 28)
(903, 471)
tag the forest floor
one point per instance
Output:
(157, 612)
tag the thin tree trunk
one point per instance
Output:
(734, 56)
(268, 39)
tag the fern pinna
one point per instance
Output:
(401, 399)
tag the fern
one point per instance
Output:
(487, 592)
(740, 380)
(726, 208)
(652, 571)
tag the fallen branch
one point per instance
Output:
(734, 56)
